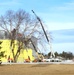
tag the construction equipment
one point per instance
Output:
(40, 56)
(52, 53)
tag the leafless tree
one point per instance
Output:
(19, 25)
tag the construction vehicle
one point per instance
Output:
(39, 55)
(52, 56)
(52, 53)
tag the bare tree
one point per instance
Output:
(19, 22)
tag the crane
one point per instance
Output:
(40, 56)
(52, 53)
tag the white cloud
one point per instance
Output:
(9, 3)
(64, 6)
(68, 6)
(59, 26)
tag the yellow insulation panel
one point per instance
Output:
(24, 53)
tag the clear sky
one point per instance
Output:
(58, 16)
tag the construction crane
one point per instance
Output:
(40, 56)
(52, 53)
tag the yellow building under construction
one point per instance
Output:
(24, 55)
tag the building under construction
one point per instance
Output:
(10, 48)
(16, 47)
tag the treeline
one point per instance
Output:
(65, 55)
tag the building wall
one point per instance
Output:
(24, 53)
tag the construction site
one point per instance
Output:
(20, 54)
(36, 37)
(15, 47)
(21, 46)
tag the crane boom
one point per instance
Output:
(52, 53)
(41, 26)
(40, 57)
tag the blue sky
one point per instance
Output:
(58, 16)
